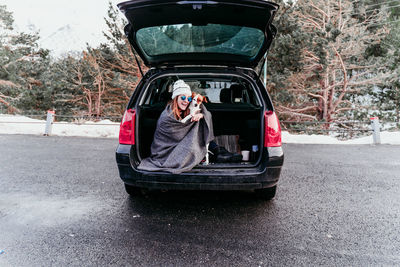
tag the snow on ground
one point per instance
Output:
(392, 138)
(10, 124)
(104, 128)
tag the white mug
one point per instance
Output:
(246, 155)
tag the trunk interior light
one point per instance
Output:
(127, 128)
(272, 135)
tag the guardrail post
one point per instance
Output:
(376, 127)
(49, 122)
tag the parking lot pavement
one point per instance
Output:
(62, 203)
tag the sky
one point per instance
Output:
(82, 21)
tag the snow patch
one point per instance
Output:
(13, 125)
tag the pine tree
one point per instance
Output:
(23, 64)
(115, 65)
(100, 81)
(335, 65)
(285, 55)
(386, 98)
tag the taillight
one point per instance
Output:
(127, 128)
(272, 135)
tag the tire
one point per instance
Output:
(133, 190)
(266, 193)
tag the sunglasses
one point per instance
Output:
(188, 99)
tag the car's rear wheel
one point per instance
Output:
(133, 190)
(266, 193)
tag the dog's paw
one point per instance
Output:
(188, 117)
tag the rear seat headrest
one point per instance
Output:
(225, 96)
(237, 92)
(165, 96)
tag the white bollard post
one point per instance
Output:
(49, 122)
(376, 127)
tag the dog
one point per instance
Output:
(195, 107)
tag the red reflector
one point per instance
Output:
(127, 128)
(272, 135)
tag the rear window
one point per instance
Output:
(210, 38)
(220, 91)
(217, 91)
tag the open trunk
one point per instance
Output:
(219, 32)
(235, 105)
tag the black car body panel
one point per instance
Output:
(264, 175)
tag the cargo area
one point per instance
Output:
(235, 106)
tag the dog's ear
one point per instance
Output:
(193, 94)
(202, 98)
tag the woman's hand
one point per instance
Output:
(197, 117)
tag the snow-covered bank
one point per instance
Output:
(392, 138)
(15, 125)
(106, 128)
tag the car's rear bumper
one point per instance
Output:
(265, 174)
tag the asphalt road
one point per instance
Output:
(62, 203)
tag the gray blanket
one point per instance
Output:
(178, 147)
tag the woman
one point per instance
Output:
(178, 147)
(181, 97)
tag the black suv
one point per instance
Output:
(214, 47)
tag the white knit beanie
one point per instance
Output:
(180, 88)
